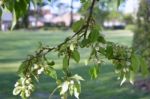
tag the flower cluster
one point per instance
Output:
(122, 56)
(72, 85)
(122, 60)
(24, 87)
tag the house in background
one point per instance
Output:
(54, 13)
(59, 12)
(6, 20)
(45, 16)
(57, 19)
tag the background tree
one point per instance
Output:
(141, 41)
(107, 10)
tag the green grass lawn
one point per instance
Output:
(16, 45)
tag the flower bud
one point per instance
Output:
(27, 93)
(35, 66)
(30, 87)
(40, 70)
(27, 81)
(17, 90)
(16, 84)
(72, 82)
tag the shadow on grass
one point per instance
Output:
(105, 87)
(7, 81)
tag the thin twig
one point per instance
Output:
(89, 18)
(50, 96)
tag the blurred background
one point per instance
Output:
(50, 23)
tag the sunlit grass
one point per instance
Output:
(16, 45)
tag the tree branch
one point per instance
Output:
(89, 18)
(45, 50)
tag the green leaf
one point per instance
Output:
(82, 1)
(135, 63)
(76, 93)
(102, 50)
(77, 25)
(52, 63)
(14, 19)
(77, 90)
(94, 71)
(93, 36)
(1, 11)
(76, 56)
(21, 69)
(65, 62)
(51, 72)
(109, 51)
(131, 79)
(101, 39)
(86, 4)
(84, 43)
(144, 67)
(118, 3)
(71, 88)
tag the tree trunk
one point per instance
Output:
(25, 20)
(71, 14)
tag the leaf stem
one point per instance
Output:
(50, 96)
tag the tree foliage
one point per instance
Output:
(87, 34)
(142, 33)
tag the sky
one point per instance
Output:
(130, 6)
(66, 4)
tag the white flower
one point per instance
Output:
(16, 84)
(1, 2)
(23, 87)
(64, 87)
(35, 66)
(30, 87)
(76, 93)
(72, 82)
(23, 80)
(40, 70)
(27, 81)
(17, 90)
(123, 80)
(27, 93)
(77, 77)
(72, 47)
(124, 70)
